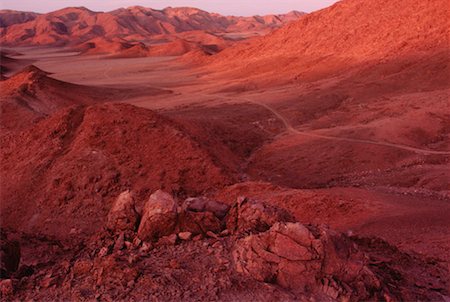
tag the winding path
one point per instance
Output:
(292, 130)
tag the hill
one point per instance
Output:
(349, 34)
(73, 163)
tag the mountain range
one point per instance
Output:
(76, 25)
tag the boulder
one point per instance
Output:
(308, 260)
(203, 204)
(201, 215)
(123, 216)
(251, 216)
(185, 236)
(6, 289)
(159, 217)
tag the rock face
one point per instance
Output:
(123, 216)
(252, 216)
(309, 260)
(159, 217)
(9, 256)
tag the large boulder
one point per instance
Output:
(309, 260)
(251, 216)
(159, 217)
(9, 255)
(201, 215)
(123, 215)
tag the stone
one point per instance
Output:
(305, 259)
(48, 281)
(129, 245)
(185, 236)
(168, 240)
(203, 204)
(6, 288)
(200, 215)
(119, 244)
(251, 216)
(145, 247)
(103, 252)
(211, 234)
(123, 215)
(159, 217)
(137, 242)
(225, 233)
(197, 237)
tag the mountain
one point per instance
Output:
(76, 25)
(357, 76)
(347, 34)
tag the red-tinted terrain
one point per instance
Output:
(116, 31)
(180, 155)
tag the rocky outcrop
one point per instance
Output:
(123, 216)
(306, 259)
(159, 217)
(260, 259)
(251, 216)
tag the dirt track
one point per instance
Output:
(292, 130)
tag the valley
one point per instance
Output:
(347, 131)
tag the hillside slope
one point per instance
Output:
(348, 34)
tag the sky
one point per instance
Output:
(225, 7)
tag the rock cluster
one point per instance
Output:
(200, 249)
(162, 216)
(267, 243)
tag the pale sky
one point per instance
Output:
(225, 7)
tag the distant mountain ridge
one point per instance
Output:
(76, 25)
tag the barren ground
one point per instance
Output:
(357, 173)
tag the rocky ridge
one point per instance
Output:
(248, 243)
